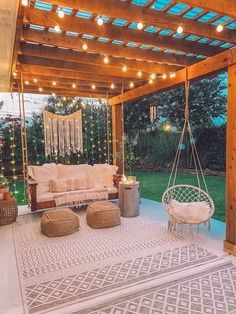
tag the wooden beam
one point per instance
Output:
(82, 67)
(90, 58)
(222, 7)
(117, 135)
(74, 75)
(74, 24)
(230, 243)
(149, 16)
(206, 67)
(62, 40)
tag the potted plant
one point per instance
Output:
(4, 186)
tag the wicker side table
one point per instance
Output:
(8, 212)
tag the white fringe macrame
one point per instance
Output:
(63, 135)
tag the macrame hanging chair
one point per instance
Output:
(187, 204)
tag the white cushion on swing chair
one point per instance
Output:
(194, 212)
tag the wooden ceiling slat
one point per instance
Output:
(81, 67)
(152, 17)
(54, 72)
(74, 24)
(84, 57)
(206, 67)
(61, 40)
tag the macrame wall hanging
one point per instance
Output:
(62, 134)
(153, 112)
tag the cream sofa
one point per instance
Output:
(53, 185)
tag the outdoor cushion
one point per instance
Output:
(44, 173)
(72, 171)
(78, 183)
(44, 196)
(103, 215)
(59, 222)
(194, 212)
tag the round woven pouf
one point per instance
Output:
(101, 215)
(59, 222)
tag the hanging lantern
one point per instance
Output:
(153, 112)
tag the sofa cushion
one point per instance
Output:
(77, 183)
(44, 173)
(104, 174)
(111, 168)
(72, 171)
(44, 197)
(58, 185)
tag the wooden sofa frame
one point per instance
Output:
(35, 205)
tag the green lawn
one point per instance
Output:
(153, 184)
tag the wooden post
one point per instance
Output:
(230, 242)
(117, 134)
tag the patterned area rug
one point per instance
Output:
(95, 267)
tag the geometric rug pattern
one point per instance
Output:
(92, 265)
(211, 293)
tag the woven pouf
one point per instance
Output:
(59, 222)
(103, 215)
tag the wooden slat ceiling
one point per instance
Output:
(156, 50)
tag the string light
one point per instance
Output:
(73, 85)
(14, 74)
(85, 46)
(140, 73)
(35, 80)
(26, 82)
(40, 89)
(164, 76)
(131, 84)
(57, 28)
(61, 13)
(100, 21)
(1, 154)
(93, 86)
(24, 3)
(106, 59)
(124, 69)
(140, 25)
(153, 76)
(53, 95)
(219, 28)
(172, 75)
(112, 86)
(180, 29)
(150, 81)
(54, 83)
(64, 98)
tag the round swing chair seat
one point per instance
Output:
(187, 204)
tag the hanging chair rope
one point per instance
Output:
(196, 159)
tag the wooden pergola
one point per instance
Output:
(141, 48)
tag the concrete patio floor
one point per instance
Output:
(11, 299)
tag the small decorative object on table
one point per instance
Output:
(8, 211)
(129, 197)
(4, 187)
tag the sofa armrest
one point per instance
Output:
(116, 179)
(32, 193)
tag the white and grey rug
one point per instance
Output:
(137, 267)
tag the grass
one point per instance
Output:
(153, 184)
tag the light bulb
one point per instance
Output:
(73, 85)
(172, 75)
(140, 73)
(131, 84)
(53, 95)
(40, 89)
(24, 3)
(180, 29)
(35, 80)
(61, 13)
(124, 69)
(14, 74)
(106, 59)
(164, 76)
(153, 76)
(26, 82)
(112, 86)
(54, 83)
(57, 28)
(100, 21)
(150, 81)
(140, 25)
(219, 28)
(64, 98)
(85, 46)
(93, 86)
